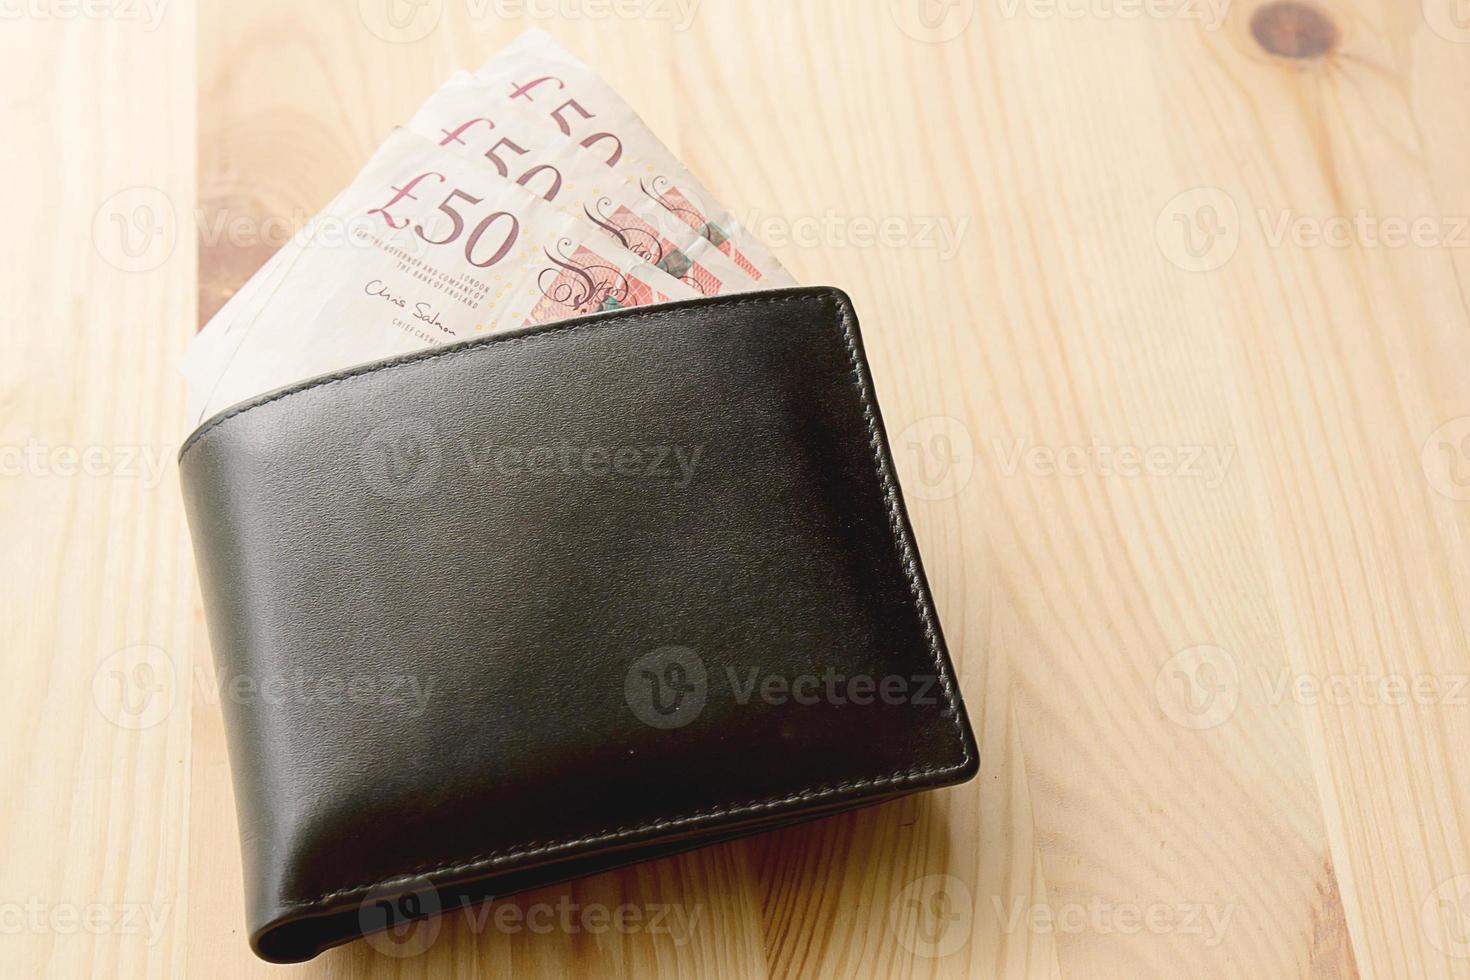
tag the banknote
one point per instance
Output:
(472, 115)
(210, 352)
(567, 95)
(591, 161)
(469, 115)
(424, 247)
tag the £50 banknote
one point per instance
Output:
(471, 116)
(426, 247)
(608, 189)
(566, 94)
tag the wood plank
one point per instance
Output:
(1175, 388)
(98, 597)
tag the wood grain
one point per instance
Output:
(1167, 316)
(99, 602)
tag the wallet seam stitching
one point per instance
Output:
(896, 526)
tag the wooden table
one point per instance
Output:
(1166, 304)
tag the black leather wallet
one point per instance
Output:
(506, 612)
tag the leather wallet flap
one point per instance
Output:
(496, 613)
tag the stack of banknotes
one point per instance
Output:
(525, 192)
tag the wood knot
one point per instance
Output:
(1289, 29)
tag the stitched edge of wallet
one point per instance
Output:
(897, 527)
